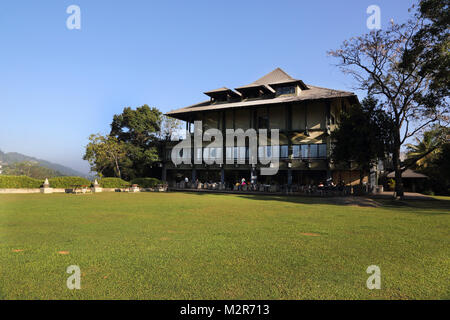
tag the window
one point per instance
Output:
(284, 151)
(313, 151)
(286, 90)
(206, 153)
(305, 151)
(322, 150)
(229, 152)
(296, 151)
(310, 151)
(242, 153)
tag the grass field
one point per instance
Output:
(210, 246)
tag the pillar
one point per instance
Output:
(222, 175)
(194, 175)
(289, 173)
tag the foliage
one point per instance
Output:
(30, 169)
(391, 184)
(113, 183)
(68, 182)
(433, 154)
(138, 130)
(363, 136)
(431, 44)
(382, 64)
(426, 149)
(19, 182)
(170, 127)
(146, 182)
(105, 154)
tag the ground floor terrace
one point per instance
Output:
(251, 179)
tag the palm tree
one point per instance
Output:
(425, 150)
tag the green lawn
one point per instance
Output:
(210, 246)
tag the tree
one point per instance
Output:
(430, 156)
(363, 136)
(30, 169)
(169, 128)
(138, 130)
(425, 150)
(105, 154)
(381, 64)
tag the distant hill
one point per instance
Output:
(14, 157)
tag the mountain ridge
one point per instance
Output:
(14, 157)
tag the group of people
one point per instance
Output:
(244, 185)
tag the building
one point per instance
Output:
(304, 114)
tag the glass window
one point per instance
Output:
(206, 153)
(313, 150)
(242, 153)
(305, 150)
(322, 150)
(229, 152)
(261, 152)
(284, 151)
(286, 90)
(296, 151)
(212, 153)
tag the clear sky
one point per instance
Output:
(57, 85)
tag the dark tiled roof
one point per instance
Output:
(275, 77)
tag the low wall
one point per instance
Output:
(59, 190)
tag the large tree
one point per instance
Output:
(406, 84)
(106, 155)
(139, 131)
(363, 137)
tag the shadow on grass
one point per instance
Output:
(434, 204)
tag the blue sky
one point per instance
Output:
(57, 85)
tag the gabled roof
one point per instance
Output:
(276, 75)
(222, 91)
(275, 78)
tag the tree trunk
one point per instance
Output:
(118, 169)
(397, 168)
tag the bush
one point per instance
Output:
(391, 184)
(113, 183)
(68, 182)
(19, 182)
(146, 182)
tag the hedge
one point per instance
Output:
(113, 183)
(19, 182)
(146, 182)
(68, 182)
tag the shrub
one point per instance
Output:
(146, 182)
(68, 182)
(18, 182)
(391, 184)
(113, 183)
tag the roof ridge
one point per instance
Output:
(273, 76)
